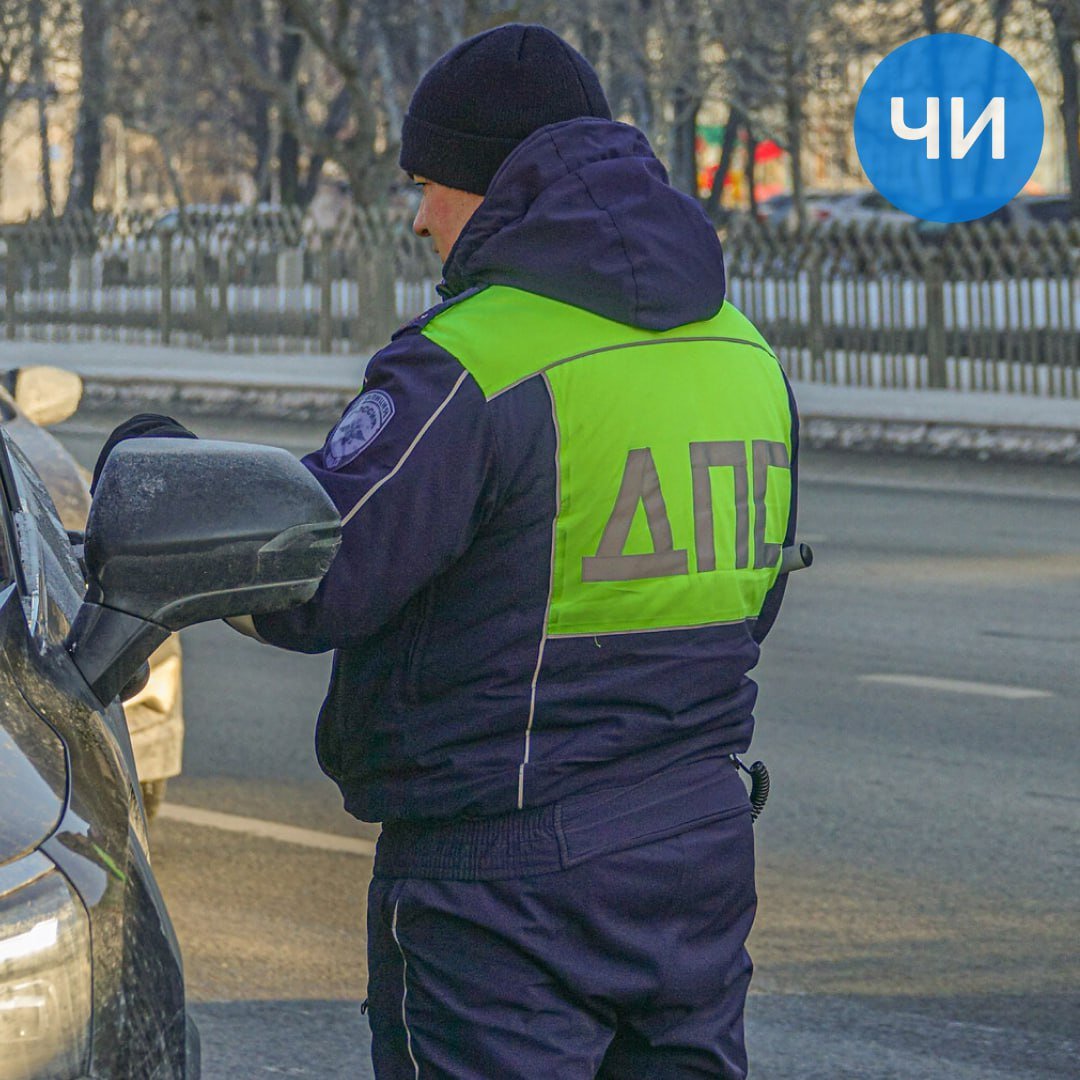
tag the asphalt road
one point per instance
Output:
(918, 858)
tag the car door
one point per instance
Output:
(51, 587)
(100, 844)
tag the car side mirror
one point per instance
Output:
(47, 395)
(183, 531)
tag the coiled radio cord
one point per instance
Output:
(759, 785)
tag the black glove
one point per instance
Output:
(142, 426)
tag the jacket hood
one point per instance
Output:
(582, 212)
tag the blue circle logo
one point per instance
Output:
(949, 127)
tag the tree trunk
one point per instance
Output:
(171, 174)
(289, 49)
(259, 103)
(687, 103)
(37, 79)
(1001, 13)
(684, 143)
(1065, 38)
(45, 154)
(793, 115)
(751, 180)
(262, 139)
(86, 151)
(336, 118)
(930, 16)
(727, 152)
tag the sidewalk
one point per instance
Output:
(941, 423)
(312, 386)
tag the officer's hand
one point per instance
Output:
(144, 425)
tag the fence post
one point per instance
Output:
(80, 287)
(385, 293)
(326, 296)
(817, 321)
(290, 280)
(203, 309)
(225, 262)
(358, 334)
(12, 273)
(165, 311)
(935, 322)
(290, 269)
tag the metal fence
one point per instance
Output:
(255, 280)
(970, 307)
(984, 307)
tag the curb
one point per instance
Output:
(215, 398)
(942, 438)
(924, 438)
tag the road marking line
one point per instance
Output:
(957, 686)
(269, 830)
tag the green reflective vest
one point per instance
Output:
(673, 459)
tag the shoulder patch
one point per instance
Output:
(357, 429)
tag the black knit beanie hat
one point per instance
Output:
(485, 95)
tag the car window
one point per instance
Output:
(52, 585)
(33, 495)
(1050, 210)
(1003, 215)
(7, 537)
(874, 200)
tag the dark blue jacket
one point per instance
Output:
(436, 601)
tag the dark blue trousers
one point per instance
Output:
(629, 965)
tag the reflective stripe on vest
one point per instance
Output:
(674, 447)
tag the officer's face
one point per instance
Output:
(443, 213)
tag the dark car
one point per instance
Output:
(31, 400)
(91, 981)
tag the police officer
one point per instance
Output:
(564, 493)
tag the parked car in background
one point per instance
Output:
(91, 980)
(860, 206)
(780, 209)
(994, 260)
(1027, 210)
(32, 399)
(844, 206)
(1022, 213)
(865, 207)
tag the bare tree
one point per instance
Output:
(284, 89)
(313, 81)
(16, 47)
(29, 30)
(160, 87)
(1049, 29)
(93, 104)
(749, 87)
(1064, 16)
(773, 52)
(42, 91)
